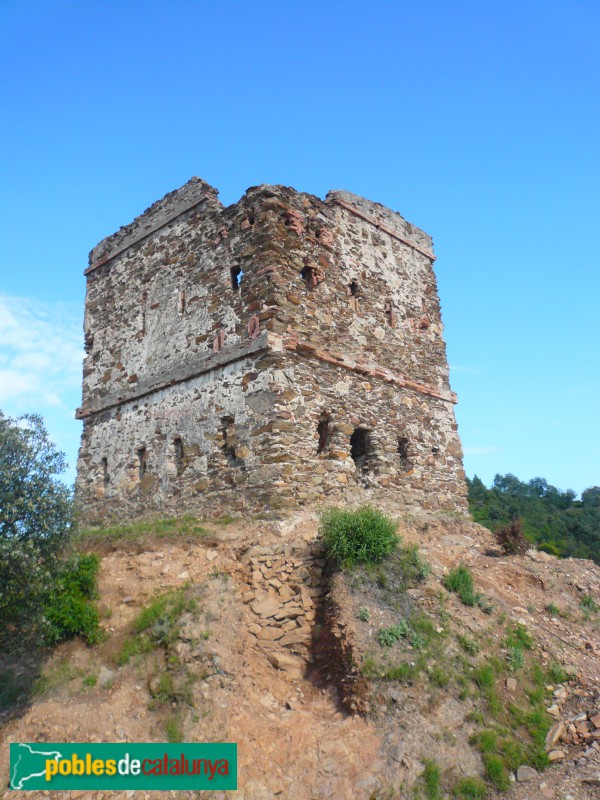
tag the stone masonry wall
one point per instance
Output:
(280, 352)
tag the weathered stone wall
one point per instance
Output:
(278, 352)
(206, 446)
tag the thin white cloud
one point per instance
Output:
(40, 354)
(458, 368)
(479, 451)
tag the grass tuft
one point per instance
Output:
(122, 537)
(389, 636)
(430, 780)
(515, 659)
(362, 536)
(157, 625)
(496, 771)
(460, 581)
(589, 604)
(470, 789)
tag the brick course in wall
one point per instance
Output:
(280, 352)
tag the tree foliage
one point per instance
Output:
(36, 515)
(553, 520)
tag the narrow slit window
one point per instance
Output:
(404, 453)
(142, 464)
(324, 433)
(178, 452)
(181, 304)
(105, 475)
(236, 277)
(309, 277)
(143, 320)
(230, 443)
(389, 312)
(353, 288)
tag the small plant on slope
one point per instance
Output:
(460, 581)
(389, 636)
(362, 536)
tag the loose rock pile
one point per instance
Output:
(578, 727)
(282, 594)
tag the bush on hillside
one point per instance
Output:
(70, 611)
(511, 538)
(44, 596)
(366, 535)
(460, 581)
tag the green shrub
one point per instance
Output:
(470, 789)
(370, 668)
(439, 677)
(430, 780)
(484, 676)
(515, 659)
(496, 771)
(589, 604)
(553, 610)
(557, 674)
(460, 581)
(485, 605)
(363, 614)
(519, 636)
(513, 752)
(389, 636)
(493, 701)
(404, 673)
(537, 695)
(174, 729)
(362, 536)
(486, 741)
(69, 611)
(414, 568)
(157, 625)
(36, 518)
(468, 645)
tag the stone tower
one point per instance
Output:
(283, 351)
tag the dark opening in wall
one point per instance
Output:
(143, 302)
(141, 454)
(181, 304)
(361, 449)
(404, 453)
(389, 312)
(353, 288)
(229, 443)
(236, 277)
(105, 475)
(308, 276)
(324, 431)
(178, 452)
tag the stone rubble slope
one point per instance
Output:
(264, 676)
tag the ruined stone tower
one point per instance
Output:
(280, 352)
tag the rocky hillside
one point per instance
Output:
(369, 683)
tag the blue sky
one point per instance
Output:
(477, 121)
